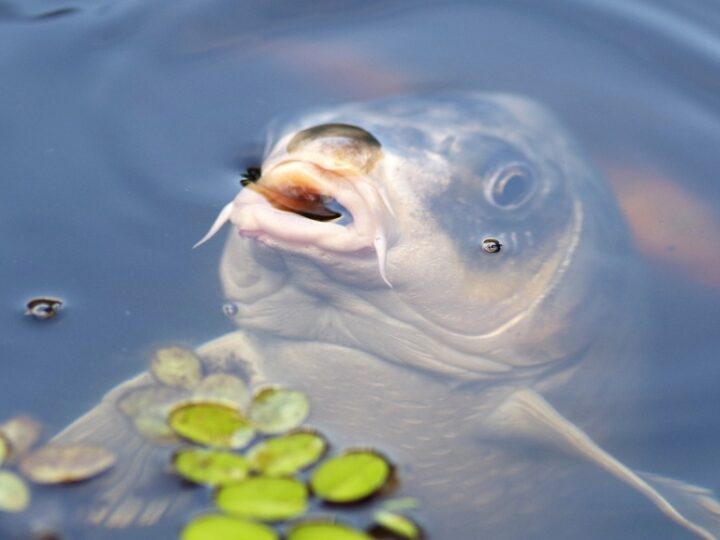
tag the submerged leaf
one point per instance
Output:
(59, 464)
(400, 526)
(4, 448)
(211, 467)
(325, 530)
(267, 499)
(14, 493)
(350, 477)
(287, 454)
(22, 433)
(221, 387)
(276, 410)
(212, 424)
(153, 427)
(217, 527)
(151, 399)
(175, 366)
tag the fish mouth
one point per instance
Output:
(297, 204)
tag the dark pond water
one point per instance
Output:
(124, 126)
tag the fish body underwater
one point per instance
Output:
(356, 272)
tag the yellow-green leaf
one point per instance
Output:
(287, 454)
(217, 527)
(265, 499)
(276, 410)
(211, 467)
(350, 477)
(175, 366)
(60, 464)
(399, 525)
(325, 530)
(211, 424)
(14, 493)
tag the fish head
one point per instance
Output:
(467, 226)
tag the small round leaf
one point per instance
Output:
(276, 410)
(175, 366)
(287, 454)
(14, 493)
(211, 467)
(151, 399)
(211, 424)
(263, 498)
(22, 432)
(153, 427)
(217, 527)
(350, 477)
(325, 530)
(4, 448)
(397, 524)
(56, 464)
(221, 387)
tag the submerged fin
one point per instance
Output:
(526, 413)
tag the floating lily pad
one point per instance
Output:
(263, 498)
(4, 448)
(400, 526)
(211, 467)
(325, 530)
(350, 477)
(276, 410)
(14, 492)
(56, 464)
(22, 433)
(217, 527)
(151, 399)
(154, 427)
(211, 424)
(175, 366)
(222, 387)
(287, 454)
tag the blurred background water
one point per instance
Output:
(124, 125)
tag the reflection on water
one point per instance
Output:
(125, 126)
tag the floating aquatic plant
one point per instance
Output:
(287, 454)
(211, 467)
(219, 527)
(264, 498)
(176, 366)
(397, 525)
(62, 464)
(277, 410)
(14, 492)
(350, 477)
(325, 530)
(223, 388)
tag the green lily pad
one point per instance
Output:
(325, 530)
(151, 399)
(22, 432)
(61, 464)
(211, 467)
(175, 366)
(14, 492)
(263, 498)
(351, 477)
(221, 387)
(4, 448)
(287, 454)
(217, 527)
(400, 526)
(276, 410)
(211, 424)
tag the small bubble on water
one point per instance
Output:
(230, 309)
(491, 245)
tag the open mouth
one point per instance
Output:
(297, 204)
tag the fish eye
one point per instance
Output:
(511, 186)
